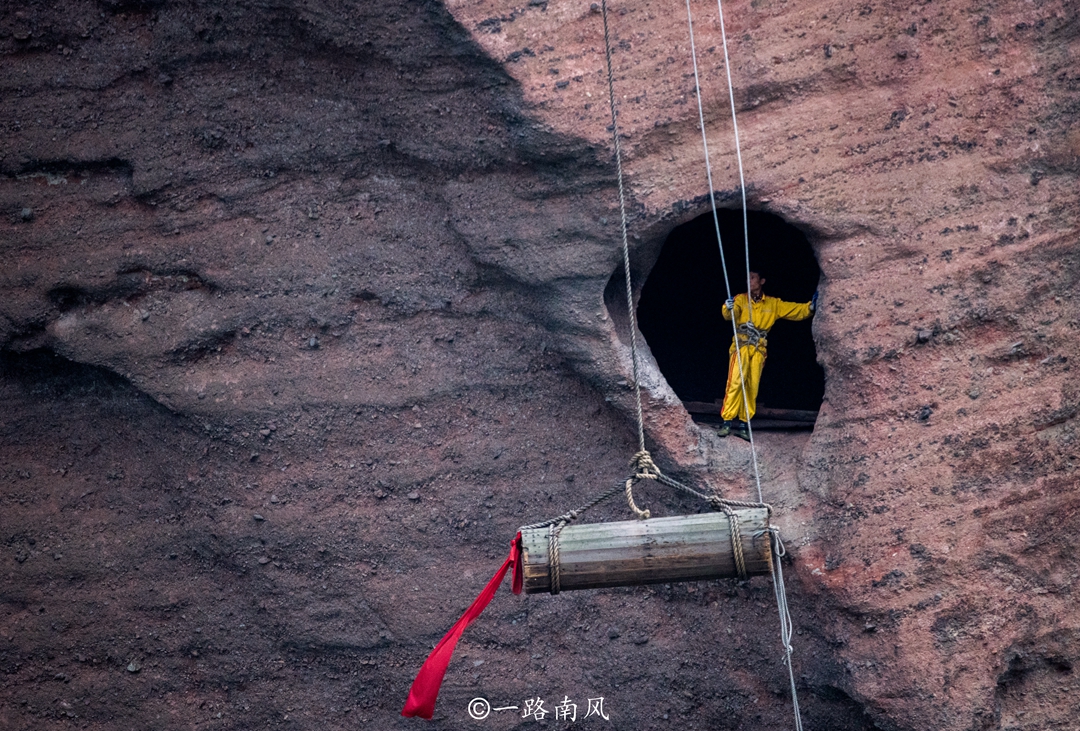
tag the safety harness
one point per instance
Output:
(750, 335)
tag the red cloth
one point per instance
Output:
(425, 689)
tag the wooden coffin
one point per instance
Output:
(654, 551)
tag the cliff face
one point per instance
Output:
(306, 307)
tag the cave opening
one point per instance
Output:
(679, 315)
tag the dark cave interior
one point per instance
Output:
(679, 309)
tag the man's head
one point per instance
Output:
(757, 284)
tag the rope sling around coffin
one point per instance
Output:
(735, 541)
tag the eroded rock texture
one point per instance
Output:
(306, 306)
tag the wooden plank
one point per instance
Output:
(705, 408)
(786, 414)
(758, 424)
(779, 424)
(702, 407)
(654, 551)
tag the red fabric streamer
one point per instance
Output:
(425, 689)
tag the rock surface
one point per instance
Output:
(354, 269)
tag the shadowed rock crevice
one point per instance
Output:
(840, 709)
(1040, 670)
(82, 168)
(130, 284)
(51, 377)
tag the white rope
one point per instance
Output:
(705, 145)
(716, 226)
(777, 545)
(785, 617)
(746, 234)
(738, 153)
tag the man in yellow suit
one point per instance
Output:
(754, 316)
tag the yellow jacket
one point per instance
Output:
(766, 312)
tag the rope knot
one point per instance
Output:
(641, 514)
(778, 543)
(644, 467)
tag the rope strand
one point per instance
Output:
(625, 241)
(746, 232)
(716, 224)
(785, 618)
(778, 572)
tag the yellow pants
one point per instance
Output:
(753, 361)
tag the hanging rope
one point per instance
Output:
(778, 546)
(785, 618)
(746, 228)
(738, 151)
(716, 226)
(625, 241)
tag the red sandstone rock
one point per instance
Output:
(335, 254)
